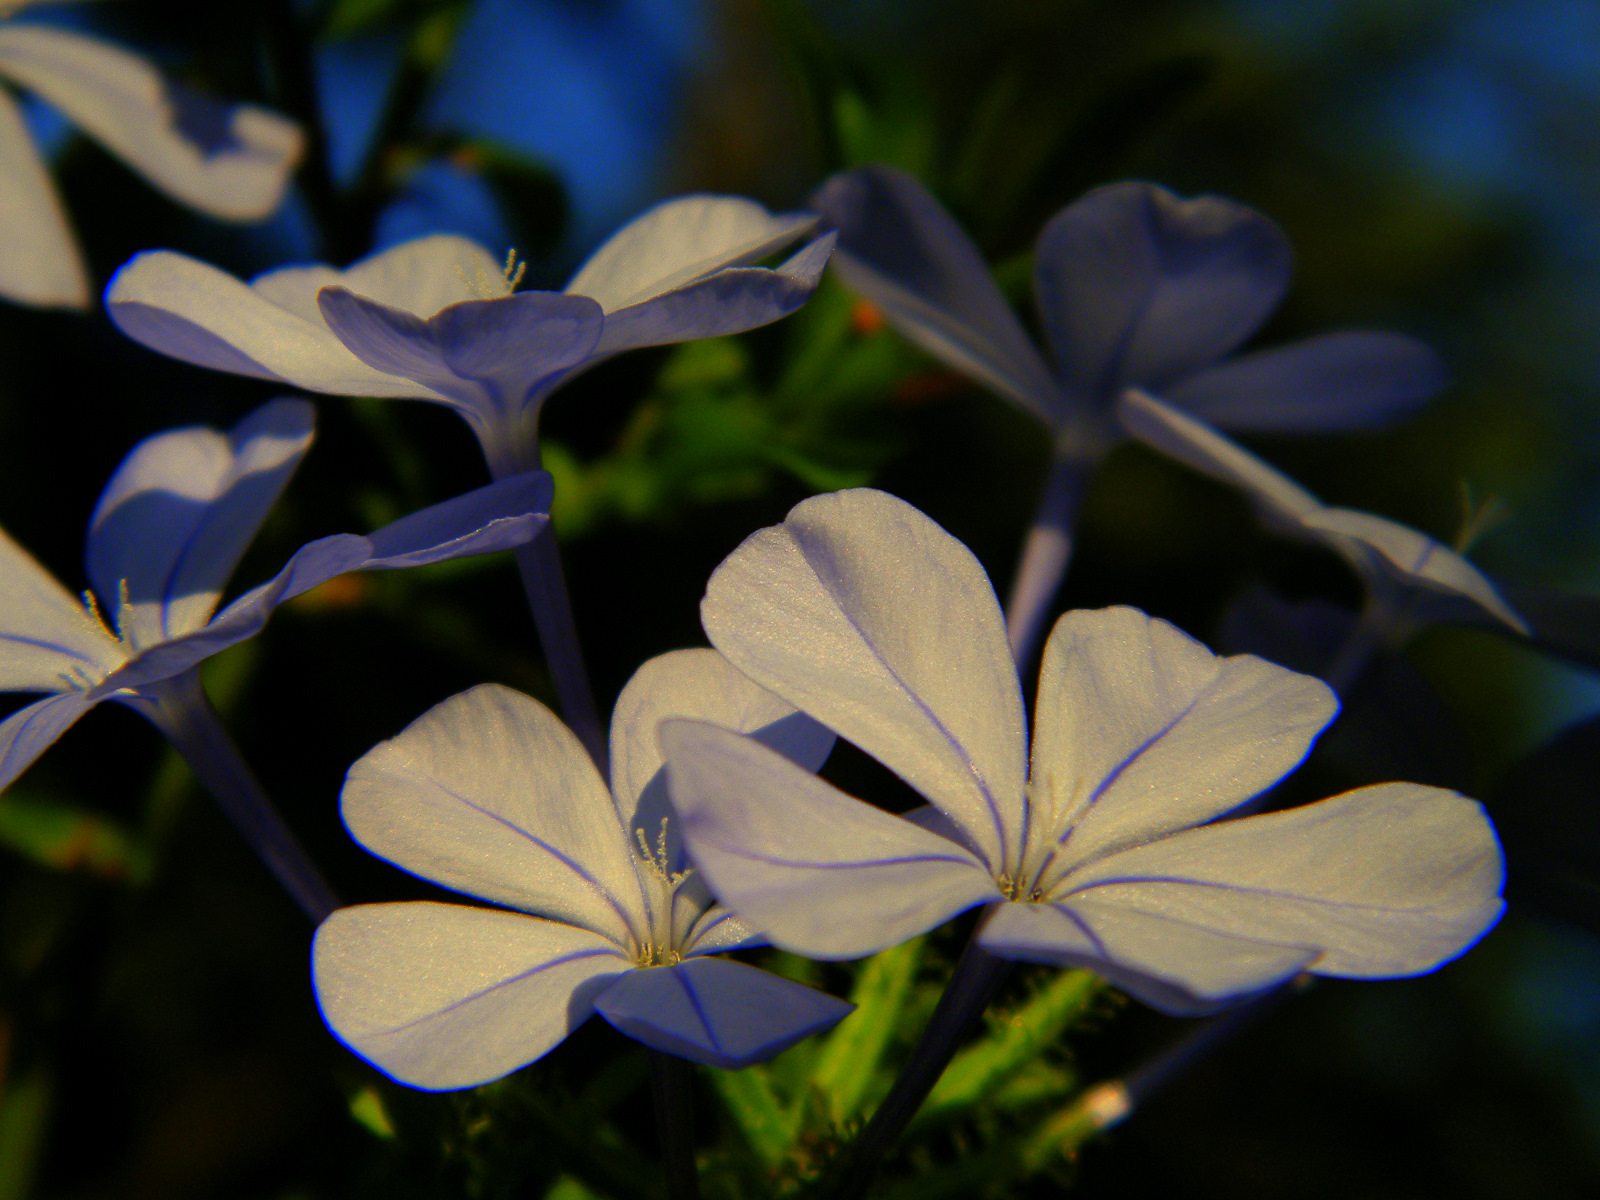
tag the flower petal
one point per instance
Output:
(861, 611)
(1140, 730)
(490, 794)
(680, 241)
(1382, 881)
(180, 512)
(506, 513)
(1414, 559)
(191, 311)
(395, 342)
(1205, 450)
(818, 872)
(422, 276)
(29, 732)
(41, 264)
(46, 637)
(1333, 383)
(442, 996)
(229, 161)
(515, 343)
(703, 685)
(902, 251)
(727, 301)
(717, 1012)
(1137, 286)
(1173, 966)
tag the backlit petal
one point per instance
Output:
(29, 732)
(680, 241)
(818, 872)
(902, 251)
(717, 1012)
(1414, 559)
(191, 311)
(1137, 286)
(1383, 881)
(861, 611)
(1357, 379)
(45, 633)
(1198, 446)
(703, 685)
(490, 794)
(180, 512)
(41, 264)
(725, 302)
(229, 161)
(444, 996)
(1140, 730)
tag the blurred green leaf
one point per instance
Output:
(1014, 1041)
(851, 1054)
(765, 1124)
(24, 1121)
(59, 835)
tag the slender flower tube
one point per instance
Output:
(169, 529)
(227, 161)
(1107, 853)
(489, 794)
(1410, 578)
(1135, 287)
(437, 319)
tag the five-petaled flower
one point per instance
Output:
(437, 318)
(228, 161)
(862, 612)
(489, 794)
(169, 529)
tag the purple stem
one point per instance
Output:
(179, 708)
(1045, 555)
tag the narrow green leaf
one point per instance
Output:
(24, 1119)
(58, 835)
(768, 1128)
(850, 1055)
(1013, 1042)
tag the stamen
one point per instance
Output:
(124, 603)
(514, 270)
(92, 605)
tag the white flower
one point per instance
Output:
(489, 794)
(862, 612)
(437, 319)
(227, 161)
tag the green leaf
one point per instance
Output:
(1014, 1041)
(367, 1107)
(768, 1128)
(24, 1120)
(850, 1055)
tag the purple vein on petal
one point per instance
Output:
(955, 744)
(682, 980)
(42, 645)
(1133, 756)
(774, 861)
(571, 864)
(494, 987)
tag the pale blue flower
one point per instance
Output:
(1107, 853)
(1136, 287)
(437, 318)
(227, 161)
(169, 529)
(489, 794)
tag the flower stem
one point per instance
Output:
(1045, 554)
(179, 708)
(973, 983)
(672, 1086)
(1372, 629)
(539, 564)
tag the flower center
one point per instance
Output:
(486, 288)
(661, 947)
(1022, 891)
